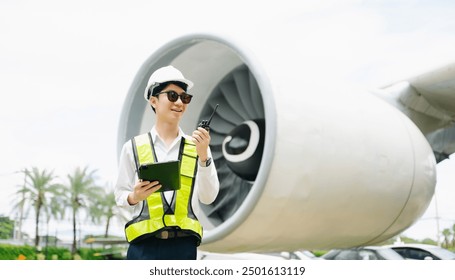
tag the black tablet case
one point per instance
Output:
(167, 173)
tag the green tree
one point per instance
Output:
(82, 192)
(37, 192)
(6, 227)
(453, 236)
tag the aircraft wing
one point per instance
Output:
(429, 101)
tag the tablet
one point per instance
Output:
(167, 173)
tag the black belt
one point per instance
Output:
(167, 234)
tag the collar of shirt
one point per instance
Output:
(163, 152)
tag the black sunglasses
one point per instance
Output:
(174, 96)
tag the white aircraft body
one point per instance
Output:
(306, 158)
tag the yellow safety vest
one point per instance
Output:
(156, 214)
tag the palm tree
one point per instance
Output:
(82, 194)
(446, 233)
(55, 210)
(106, 209)
(19, 208)
(38, 191)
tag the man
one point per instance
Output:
(164, 224)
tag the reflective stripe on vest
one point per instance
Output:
(156, 214)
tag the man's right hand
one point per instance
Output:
(142, 190)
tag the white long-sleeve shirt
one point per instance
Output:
(206, 185)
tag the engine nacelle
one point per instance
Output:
(337, 167)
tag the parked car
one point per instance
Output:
(422, 252)
(296, 255)
(363, 253)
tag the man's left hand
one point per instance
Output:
(201, 138)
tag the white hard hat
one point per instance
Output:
(165, 74)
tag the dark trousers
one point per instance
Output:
(152, 248)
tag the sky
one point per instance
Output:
(66, 67)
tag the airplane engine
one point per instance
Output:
(304, 159)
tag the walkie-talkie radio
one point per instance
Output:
(206, 123)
